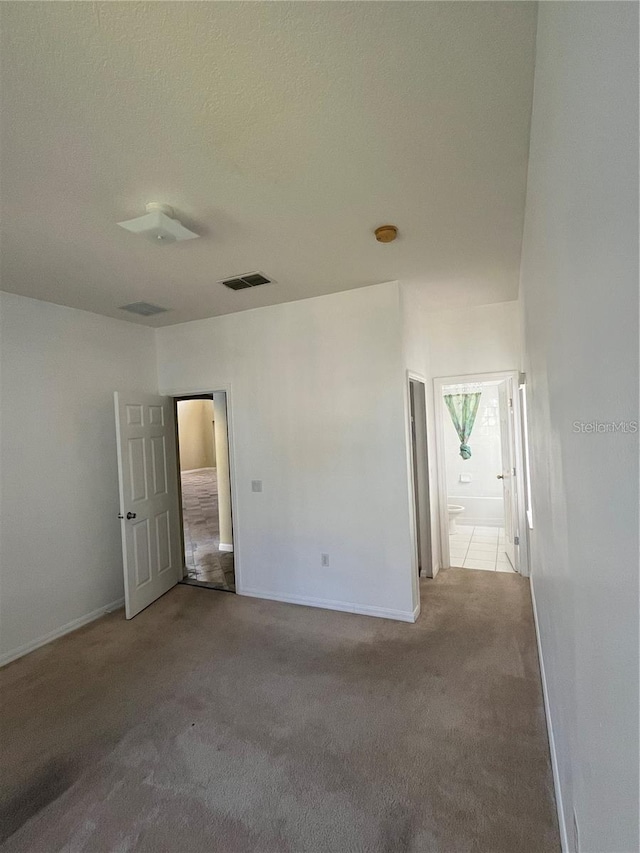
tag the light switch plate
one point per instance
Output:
(465, 478)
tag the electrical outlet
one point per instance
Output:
(576, 834)
(324, 560)
(256, 485)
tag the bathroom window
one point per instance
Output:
(488, 419)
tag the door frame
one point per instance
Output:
(522, 563)
(177, 400)
(194, 393)
(425, 534)
(412, 376)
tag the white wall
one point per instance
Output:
(580, 295)
(196, 434)
(60, 551)
(316, 411)
(481, 339)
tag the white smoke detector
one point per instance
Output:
(158, 225)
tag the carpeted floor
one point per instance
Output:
(215, 723)
(205, 562)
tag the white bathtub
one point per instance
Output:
(483, 512)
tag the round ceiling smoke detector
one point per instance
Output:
(386, 233)
(159, 225)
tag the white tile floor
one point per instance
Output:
(479, 548)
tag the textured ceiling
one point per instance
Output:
(282, 132)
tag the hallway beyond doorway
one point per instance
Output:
(205, 489)
(204, 561)
(480, 467)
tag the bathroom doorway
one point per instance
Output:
(479, 471)
(205, 490)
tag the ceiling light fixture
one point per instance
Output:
(144, 309)
(386, 233)
(158, 225)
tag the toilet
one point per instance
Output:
(454, 511)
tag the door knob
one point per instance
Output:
(500, 476)
(131, 515)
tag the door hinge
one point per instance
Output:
(511, 402)
(516, 540)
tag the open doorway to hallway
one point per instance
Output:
(478, 453)
(205, 493)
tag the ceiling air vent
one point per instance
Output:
(250, 279)
(144, 309)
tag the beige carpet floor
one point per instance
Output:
(213, 722)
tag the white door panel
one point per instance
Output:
(149, 513)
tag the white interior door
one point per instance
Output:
(418, 414)
(149, 507)
(507, 437)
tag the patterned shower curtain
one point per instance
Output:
(463, 409)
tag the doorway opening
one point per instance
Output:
(420, 475)
(479, 472)
(205, 490)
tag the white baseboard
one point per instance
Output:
(343, 606)
(225, 546)
(564, 840)
(14, 654)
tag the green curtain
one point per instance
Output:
(463, 409)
